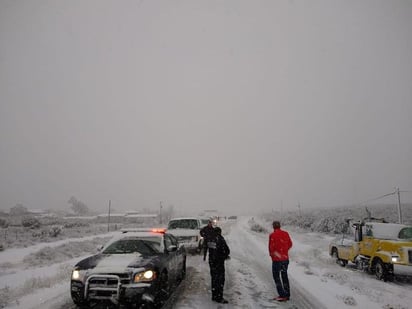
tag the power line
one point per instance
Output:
(396, 192)
(379, 197)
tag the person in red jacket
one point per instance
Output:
(279, 245)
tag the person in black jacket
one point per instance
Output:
(208, 233)
(218, 253)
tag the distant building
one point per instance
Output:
(114, 218)
(141, 218)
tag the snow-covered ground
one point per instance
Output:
(38, 276)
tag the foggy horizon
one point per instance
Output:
(237, 106)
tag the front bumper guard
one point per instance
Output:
(114, 290)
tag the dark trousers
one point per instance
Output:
(280, 275)
(204, 251)
(217, 272)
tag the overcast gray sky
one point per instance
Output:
(229, 105)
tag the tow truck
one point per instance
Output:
(376, 247)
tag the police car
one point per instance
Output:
(136, 267)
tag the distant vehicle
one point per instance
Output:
(376, 247)
(187, 231)
(232, 218)
(138, 267)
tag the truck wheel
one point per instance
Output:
(380, 270)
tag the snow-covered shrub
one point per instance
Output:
(30, 222)
(54, 231)
(334, 225)
(38, 234)
(5, 297)
(4, 223)
(70, 225)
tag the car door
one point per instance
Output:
(171, 256)
(180, 254)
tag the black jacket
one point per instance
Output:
(208, 233)
(218, 249)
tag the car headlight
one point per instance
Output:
(145, 276)
(395, 259)
(78, 274)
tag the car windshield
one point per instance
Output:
(148, 246)
(405, 233)
(183, 224)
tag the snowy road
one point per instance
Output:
(316, 281)
(249, 282)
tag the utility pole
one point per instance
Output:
(108, 217)
(300, 214)
(399, 206)
(160, 213)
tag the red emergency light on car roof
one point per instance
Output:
(159, 230)
(151, 230)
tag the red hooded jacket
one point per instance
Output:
(279, 245)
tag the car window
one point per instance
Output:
(173, 239)
(405, 233)
(184, 224)
(168, 241)
(155, 242)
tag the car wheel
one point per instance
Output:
(164, 288)
(182, 274)
(81, 304)
(77, 300)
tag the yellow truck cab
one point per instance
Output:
(376, 247)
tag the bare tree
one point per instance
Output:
(78, 207)
(18, 210)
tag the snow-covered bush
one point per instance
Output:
(54, 231)
(334, 220)
(331, 225)
(4, 223)
(4, 297)
(30, 222)
(38, 234)
(70, 225)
